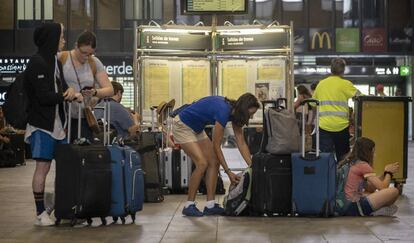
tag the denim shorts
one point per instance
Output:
(361, 208)
(43, 145)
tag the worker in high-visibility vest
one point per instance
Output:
(333, 94)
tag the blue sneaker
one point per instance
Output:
(216, 210)
(192, 211)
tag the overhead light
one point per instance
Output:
(292, 1)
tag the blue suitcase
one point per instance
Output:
(127, 176)
(127, 182)
(313, 178)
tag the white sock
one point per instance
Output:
(210, 204)
(189, 203)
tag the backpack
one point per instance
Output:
(239, 195)
(16, 106)
(64, 57)
(342, 203)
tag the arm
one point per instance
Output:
(241, 144)
(217, 137)
(106, 89)
(382, 182)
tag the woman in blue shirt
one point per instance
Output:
(188, 131)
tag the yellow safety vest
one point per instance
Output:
(333, 94)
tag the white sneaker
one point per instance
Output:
(44, 219)
(386, 211)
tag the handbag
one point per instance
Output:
(91, 119)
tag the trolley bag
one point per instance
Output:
(313, 177)
(271, 178)
(127, 176)
(83, 180)
(239, 195)
(146, 146)
(178, 169)
(282, 131)
(127, 182)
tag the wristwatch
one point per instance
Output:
(389, 173)
(95, 93)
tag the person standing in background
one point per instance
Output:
(86, 74)
(333, 94)
(47, 119)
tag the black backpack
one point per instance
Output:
(17, 103)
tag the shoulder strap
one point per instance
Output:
(63, 57)
(92, 64)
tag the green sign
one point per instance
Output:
(405, 70)
(347, 40)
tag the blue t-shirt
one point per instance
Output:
(120, 117)
(206, 111)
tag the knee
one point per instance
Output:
(201, 165)
(394, 192)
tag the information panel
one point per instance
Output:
(214, 6)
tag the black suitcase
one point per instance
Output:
(147, 147)
(272, 184)
(83, 181)
(271, 178)
(18, 146)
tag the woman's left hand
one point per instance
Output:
(89, 92)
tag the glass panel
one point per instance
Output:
(109, 14)
(6, 15)
(347, 13)
(373, 13)
(25, 9)
(293, 10)
(267, 10)
(59, 11)
(38, 9)
(399, 14)
(320, 13)
(156, 9)
(81, 14)
(48, 9)
(187, 19)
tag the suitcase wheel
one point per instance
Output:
(73, 222)
(123, 220)
(133, 218)
(57, 222)
(103, 220)
(89, 221)
(115, 219)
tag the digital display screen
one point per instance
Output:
(214, 6)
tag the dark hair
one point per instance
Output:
(117, 87)
(338, 66)
(240, 108)
(362, 150)
(87, 38)
(314, 84)
(302, 90)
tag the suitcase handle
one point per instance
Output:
(316, 102)
(107, 120)
(70, 121)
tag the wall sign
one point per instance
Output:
(347, 40)
(13, 65)
(400, 40)
(374, 40)
(356, 70)
(320, 40)
(272, 40)
(171, 40)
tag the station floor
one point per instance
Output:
(163, 222)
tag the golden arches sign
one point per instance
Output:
(321, 38)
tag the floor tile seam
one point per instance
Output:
(169, 223)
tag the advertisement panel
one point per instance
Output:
(374, 40)
(320, 40)
(347, 40)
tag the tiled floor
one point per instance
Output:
(163, 222)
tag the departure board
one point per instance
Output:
(214, 6)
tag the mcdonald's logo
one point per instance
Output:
(321, 38)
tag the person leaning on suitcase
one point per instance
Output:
(188, 131)
(369, 194)
(48, 90)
